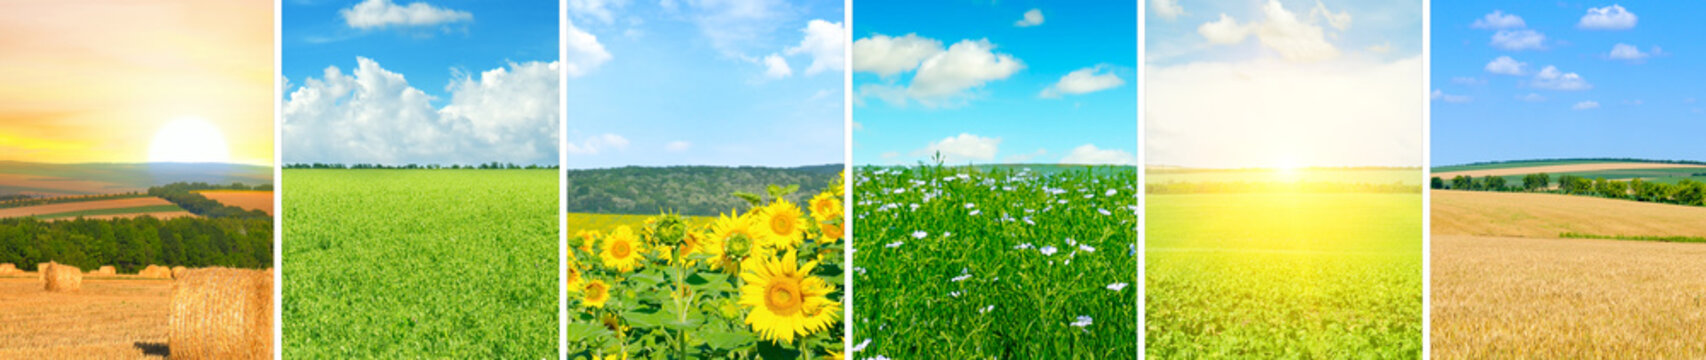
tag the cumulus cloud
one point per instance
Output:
(1590, 104)
(1442, 96)
(1088, 154)
(963, 148)
(1505, 65)
(967, 64)
(1032, 18)
(373, 115)
(600, 10)
(1282, 31)
(1081, 81)
(1612, 17)
(1166, 9)
(592, 145)
(887, 56)
(1531, 97)
(1623, 51)
(1307, 111)
(585, 53)
(825, 43)
(776, 67)
(1225, 31)
(1551, 78)
(1499, 20)
(1515, 40)
(371, 14)
(1339, 20)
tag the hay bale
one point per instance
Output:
(155, 271)
(62, 278)
(41, 271)
(107, 270)
(8, 269)
(179, 271)
(221, 313)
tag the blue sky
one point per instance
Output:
(435, 81)
(739, 82)
(1001, 82)
(1640, 103)
(1283, 84)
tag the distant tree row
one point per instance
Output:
(1685, 192)
(185, 196)
(1236, 187)
(22, 200)
(1633, 160)
(130, 244)
(486, 166)
(688, 190)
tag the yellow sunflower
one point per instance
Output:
(588, 237)
(574, 278)
(622, 250)
(785, 300)
(781, 225)
(596, 294)
(829, 232)
(826, 207)
(728, 227)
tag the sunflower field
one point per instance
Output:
(764, 283)
(995, 262)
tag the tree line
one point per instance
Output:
(1684, 192)
(133, 243)
(184, 195)
(22, 200)
(486, 166)
(687, 190)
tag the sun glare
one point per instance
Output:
(189, 140)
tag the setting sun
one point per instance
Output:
(189, 140)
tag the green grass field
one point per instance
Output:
(1280, 275)
(128, 210)
(420, 264)
(605, 222)
(1002, 264)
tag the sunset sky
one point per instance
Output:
(96, 81)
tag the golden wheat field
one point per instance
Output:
(106, 319)
(1505, 286)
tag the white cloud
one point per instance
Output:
(776, 67)
(1032, 18)
(1340, 20)
(1350, 112)
(1081, 81)
(966, 65)
(678, 146)
(1166, 9)
(1294, 39)
(887, 56)
(1225, 31)
(738, 28)
(1551, 78)
(585, 53)
(825, 42)
(600, 10)
(1531, 97)
(1090, 155)
(1499, 20)
(1442, 96)
(1467, 80)
(373, 115)
(1612, 17)
(1515, 40)
(592, 145)
(962, 148)
(1623, 51)
(1505, 65)
(382, 13)
(1586, 105)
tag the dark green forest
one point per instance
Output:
(688, 190)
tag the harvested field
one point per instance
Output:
(248, 200)
(57, 186)
(83, 206)
(1554, 169)
(1548, 215)
(108, 319)
(162, 215)
(1500, 297)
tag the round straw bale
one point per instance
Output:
(62, 278)
(8, 269)
(155, 271)
(41, 271)
(221, 313)
(107, 270)
(178, 271)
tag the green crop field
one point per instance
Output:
(606, 222)
(420, 264)
(957, 264)
(1284, 275)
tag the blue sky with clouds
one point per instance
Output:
(1001, 82)
(1284, 84)
(690, 82)
(435, 81)
(1527, 80)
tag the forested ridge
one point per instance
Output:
(688, 190)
